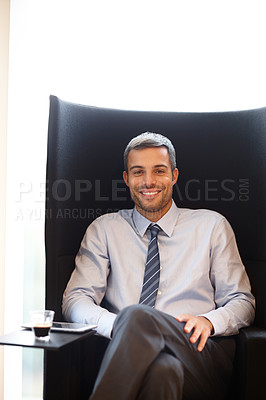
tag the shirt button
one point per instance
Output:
(159, 292)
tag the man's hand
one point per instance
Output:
(202, 328)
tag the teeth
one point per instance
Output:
(150, 193)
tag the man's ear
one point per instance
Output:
(125, 177)
(175, 176)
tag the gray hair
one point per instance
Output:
(150, 139)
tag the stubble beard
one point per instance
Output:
(146, 208)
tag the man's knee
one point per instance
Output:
(133, 316)
(135, 311)
(147, 319)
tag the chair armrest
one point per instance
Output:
(250, 363)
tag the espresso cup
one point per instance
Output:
(41, 322)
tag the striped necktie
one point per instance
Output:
(152, 270)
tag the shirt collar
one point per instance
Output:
(166, 223)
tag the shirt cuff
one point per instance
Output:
(105, 324)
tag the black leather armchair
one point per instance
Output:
(222, 161)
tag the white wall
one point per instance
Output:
(177, 55)
(4, 48)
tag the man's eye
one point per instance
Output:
(160, 171)
(137, 172)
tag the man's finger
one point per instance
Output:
(195, 335)
(203, 340)
(189, 325)
(183, 317)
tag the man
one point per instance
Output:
(172, 320)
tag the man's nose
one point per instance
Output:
(149, 179)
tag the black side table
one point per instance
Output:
(63, 355)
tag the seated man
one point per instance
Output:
(174, 283)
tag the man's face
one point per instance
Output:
(150, 179)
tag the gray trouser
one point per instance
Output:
(150, 357)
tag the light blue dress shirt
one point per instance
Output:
(201, 270)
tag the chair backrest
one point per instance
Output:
(221, 157)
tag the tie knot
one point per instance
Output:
(154, 229)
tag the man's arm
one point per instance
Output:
(232, 293)
(87, 285)
(235, 304)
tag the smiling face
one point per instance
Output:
(150, 180)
